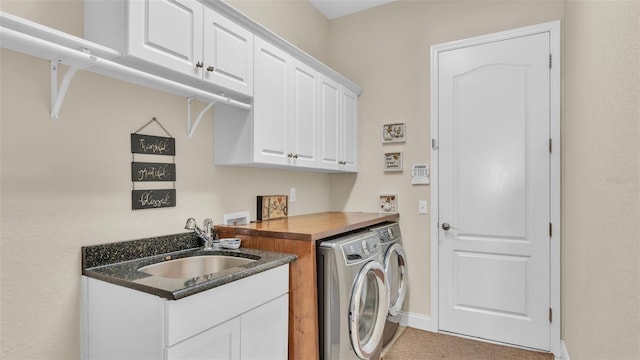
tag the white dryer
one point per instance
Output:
(352, 297)
(395, 267)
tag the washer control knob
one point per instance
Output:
(365, 247)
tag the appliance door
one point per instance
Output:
(395, 266)
(368, 309)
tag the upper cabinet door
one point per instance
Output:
(228, 53)
(329, 129)
(271, 104)
(167, 33)
(303, 135)
(349, 131)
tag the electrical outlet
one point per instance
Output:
(422, 206)
(292, 195)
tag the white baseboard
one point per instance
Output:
(418, 321)
(564, 352)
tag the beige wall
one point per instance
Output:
(601, 180)
(66, 183)
(386, 50)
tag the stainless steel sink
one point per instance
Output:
(194, 266)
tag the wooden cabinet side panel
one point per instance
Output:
(303, 297)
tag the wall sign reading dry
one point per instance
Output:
(144, 172)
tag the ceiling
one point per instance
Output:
(336, 8)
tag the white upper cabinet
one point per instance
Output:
(282, 128)
(338, 127)
(178, 39)
(304, 115)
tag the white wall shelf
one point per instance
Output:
(33, 39)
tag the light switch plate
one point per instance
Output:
(422, 206)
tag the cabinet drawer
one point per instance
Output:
(199, 312)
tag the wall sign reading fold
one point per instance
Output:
(146, 171)
(153, 199)
(153, 145)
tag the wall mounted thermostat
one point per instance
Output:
(420, 174)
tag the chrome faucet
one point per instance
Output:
(210, 240)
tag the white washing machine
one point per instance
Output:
(395, 267)
(352, 297)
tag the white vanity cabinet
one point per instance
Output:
(177, 39)
(338, 127)
(245, 319)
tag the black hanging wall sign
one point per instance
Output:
(153, 199)
(153, 145)
(147, 171)
(143, 172)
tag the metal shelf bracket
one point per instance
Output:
(191, 129)
(58, 94)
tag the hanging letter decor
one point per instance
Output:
(153, 171)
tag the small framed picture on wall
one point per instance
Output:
(392, 133)
(393, 161)
(388, 203)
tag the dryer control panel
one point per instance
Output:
(362, 248)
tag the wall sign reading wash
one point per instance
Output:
(144, 172)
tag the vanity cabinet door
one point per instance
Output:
(265, 331)
(221, 342)
(173, 44)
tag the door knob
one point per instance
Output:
(446, 226)
(210, 68)
(199, 64)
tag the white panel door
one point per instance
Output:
(168, 33)
(494, 192)
(271, 107)
(228, 53)
(302, 138)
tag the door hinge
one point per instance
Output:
(550, 230)
(550, 315)
(550, 61)
(434, 144)
(550, 145)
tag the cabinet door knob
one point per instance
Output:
(295, 156)
(211, 68)
(290, 155)
(199, 64)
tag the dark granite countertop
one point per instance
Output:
(118, 263)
